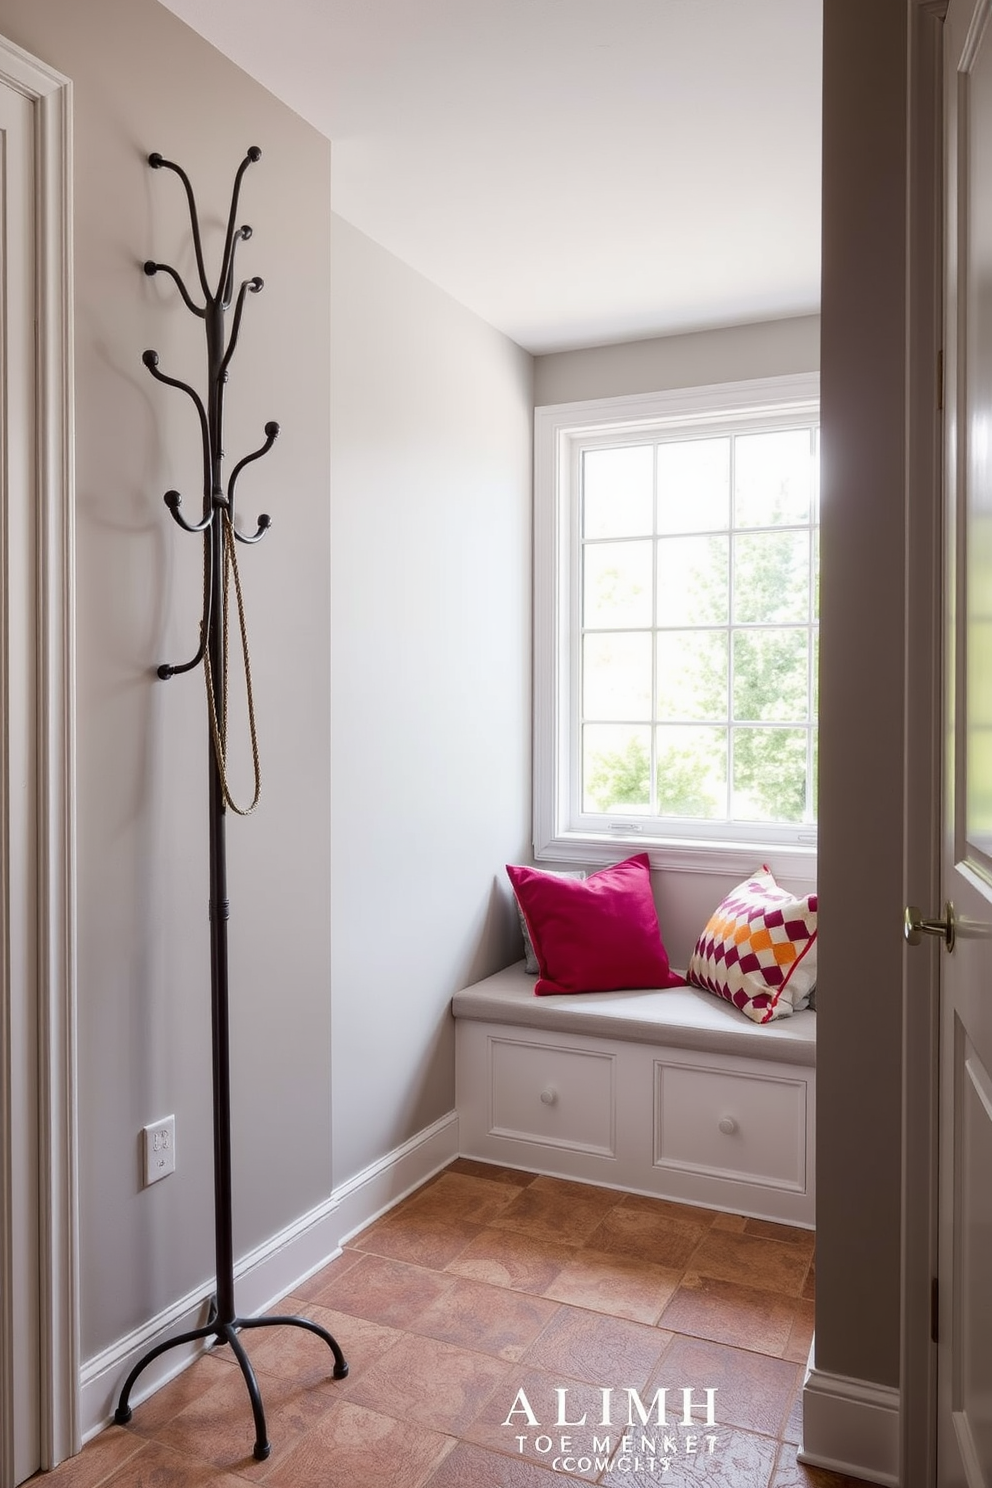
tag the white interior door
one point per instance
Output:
(964, 1367)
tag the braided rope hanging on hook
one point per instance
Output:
(218, 726)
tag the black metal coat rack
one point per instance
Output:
(220, 532)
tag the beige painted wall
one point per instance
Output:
(421, 536)
(423, 517)
(143, 81)
(861, 699)
(728, 354)
(430, 667)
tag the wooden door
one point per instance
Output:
(964, 1362)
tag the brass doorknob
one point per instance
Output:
(915, 926)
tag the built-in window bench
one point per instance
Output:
(673, 1093)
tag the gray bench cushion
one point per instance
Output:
(680, 1017)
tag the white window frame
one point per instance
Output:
(558, 428)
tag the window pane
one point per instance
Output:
(692, 772)
(616, 769)
(618, 492)
(979, 738)
(814, 783)
(616, 677)
(684, 608)
(694, 485)
(617, 588)
(693, 580)
(769, 777)
(771, 675)
(773, 478)
(771, 577)
(692, 675)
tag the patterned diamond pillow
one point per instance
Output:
(759, 950)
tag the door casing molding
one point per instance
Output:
(923, 670)
(49, 651)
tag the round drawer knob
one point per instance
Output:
(549, 1096)
(727, 1125)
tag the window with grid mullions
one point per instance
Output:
(688, 564)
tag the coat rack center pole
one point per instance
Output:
(221, 1043)
(219, 906)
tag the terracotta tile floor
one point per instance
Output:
(483, 1284)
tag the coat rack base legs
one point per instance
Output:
(227, 1332)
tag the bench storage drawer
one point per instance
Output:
(546, 1093)
(731, 1124)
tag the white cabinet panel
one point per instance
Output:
(545, 1093)
(731, 1125)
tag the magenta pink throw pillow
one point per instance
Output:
(600, 934)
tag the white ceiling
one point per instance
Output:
(574, 171)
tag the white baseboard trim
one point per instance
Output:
(382, 1184)
(265, 1274)
(851, 1426)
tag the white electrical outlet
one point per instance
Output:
(160, 1149)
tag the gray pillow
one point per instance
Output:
(531, 960)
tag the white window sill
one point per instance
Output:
(792, 863)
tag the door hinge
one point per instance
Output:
(934, 1307)
(940, 380)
